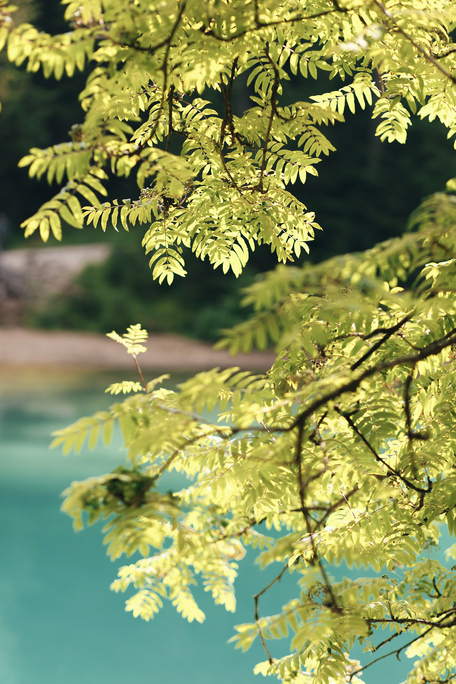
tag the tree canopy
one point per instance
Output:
(344, 451)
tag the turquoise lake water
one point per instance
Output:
(59, 621)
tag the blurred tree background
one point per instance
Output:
(365, 193)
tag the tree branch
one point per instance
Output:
(430, 349)
(311, 533)
(388, 333)
(427, 55)
(397, 653)
(258, 24)
(256, 599)
(378, 458)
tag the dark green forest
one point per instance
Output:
(365, 193)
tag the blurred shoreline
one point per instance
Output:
(165, 353)
(29, 276)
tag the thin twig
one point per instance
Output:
(386, 641)
(256, 598)
(378, 458)
(179, 449)
(258, 24)
(397, 652)
(416, 621)
(387, 334)
(311, 533)
(140, 374)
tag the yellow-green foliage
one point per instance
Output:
(346, 446)
(229, 187)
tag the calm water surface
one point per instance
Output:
(59, 622)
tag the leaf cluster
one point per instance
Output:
(227, 190)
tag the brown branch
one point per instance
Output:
(144, 383)
(258, 25)
(256, 599)
(311, 533)
(397, 653)
(388, 332)
(378, 458)
(386, 641)
(179, 449)
(334, 506)
(164, 65)
(438, 592)
(447, 51)
(327, 512)
(165, 42)
(416, 621)
(430, 349)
